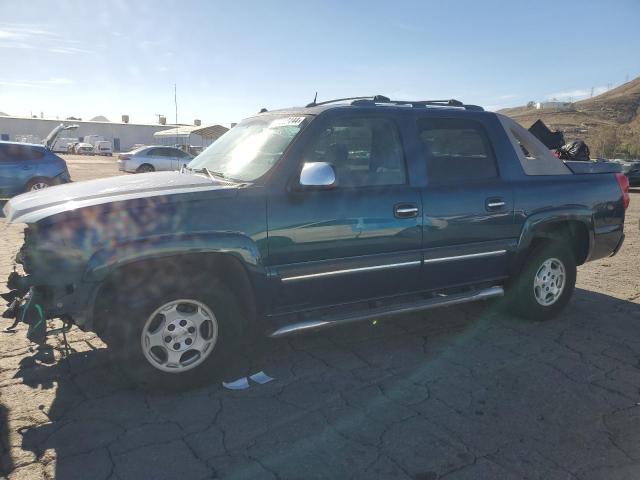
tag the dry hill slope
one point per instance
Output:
(609, 123)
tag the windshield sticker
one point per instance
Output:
(287, 122)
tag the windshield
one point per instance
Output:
(251, 148)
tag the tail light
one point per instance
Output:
(123, 157)
(623, 181)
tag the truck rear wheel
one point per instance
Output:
(546, 282)
(171, 337)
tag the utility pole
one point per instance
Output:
(591, 96)
(175, 101)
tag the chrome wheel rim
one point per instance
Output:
(179, 335)
(549, 282)
(38, 186)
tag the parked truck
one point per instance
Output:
(307, 218)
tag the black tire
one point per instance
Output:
(134, 302)
(523, 298)
(145, 168)
(37, 181)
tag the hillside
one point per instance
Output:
(609, 123)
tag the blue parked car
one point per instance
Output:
(26, 167)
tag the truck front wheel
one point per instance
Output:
(545, 284)
(172, 337)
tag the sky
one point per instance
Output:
(229, 59)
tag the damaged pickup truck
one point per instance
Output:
(306, 218)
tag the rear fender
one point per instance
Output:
(545, 224)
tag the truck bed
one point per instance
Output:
(580, 168)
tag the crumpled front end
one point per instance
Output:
(51, 286)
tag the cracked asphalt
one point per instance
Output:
(458, 393)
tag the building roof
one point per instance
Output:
(62, 120)
(99, 118)
(211, 131)
(181, 131)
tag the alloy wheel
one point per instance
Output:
(179, 335)
(549, 282)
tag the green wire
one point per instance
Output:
(37, 324)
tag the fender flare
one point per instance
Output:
(117, 255)
(536, 223)
(238, 246)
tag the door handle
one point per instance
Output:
(495, 203)
(406, 210)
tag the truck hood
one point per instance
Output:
(34, 206)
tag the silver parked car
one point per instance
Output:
(152, 158)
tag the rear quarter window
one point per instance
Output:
(535, 158)
(16, 152)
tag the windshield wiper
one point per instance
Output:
(210, 173)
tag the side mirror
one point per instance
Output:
(318, 175)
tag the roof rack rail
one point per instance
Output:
(381, 99)
(376, 98)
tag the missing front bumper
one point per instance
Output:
(27, 308)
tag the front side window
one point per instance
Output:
(456, 150)
(363, 151)
(251, 148)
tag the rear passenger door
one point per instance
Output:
(18, 164)
(467, 207)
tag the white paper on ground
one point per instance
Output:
(261, 377)
(239, 384)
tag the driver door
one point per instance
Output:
(358, 240)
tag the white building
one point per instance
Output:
(554, 105)
(121, 135)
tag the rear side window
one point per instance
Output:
(363, 151)
(456, 150)
(175, 152)
(14, 152)
(167, 152)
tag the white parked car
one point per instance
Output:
(103, 147)
(153, 158)
(84, 149)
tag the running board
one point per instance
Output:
(388, 311)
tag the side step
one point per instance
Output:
(388, 311)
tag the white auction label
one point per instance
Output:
(286, 122)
